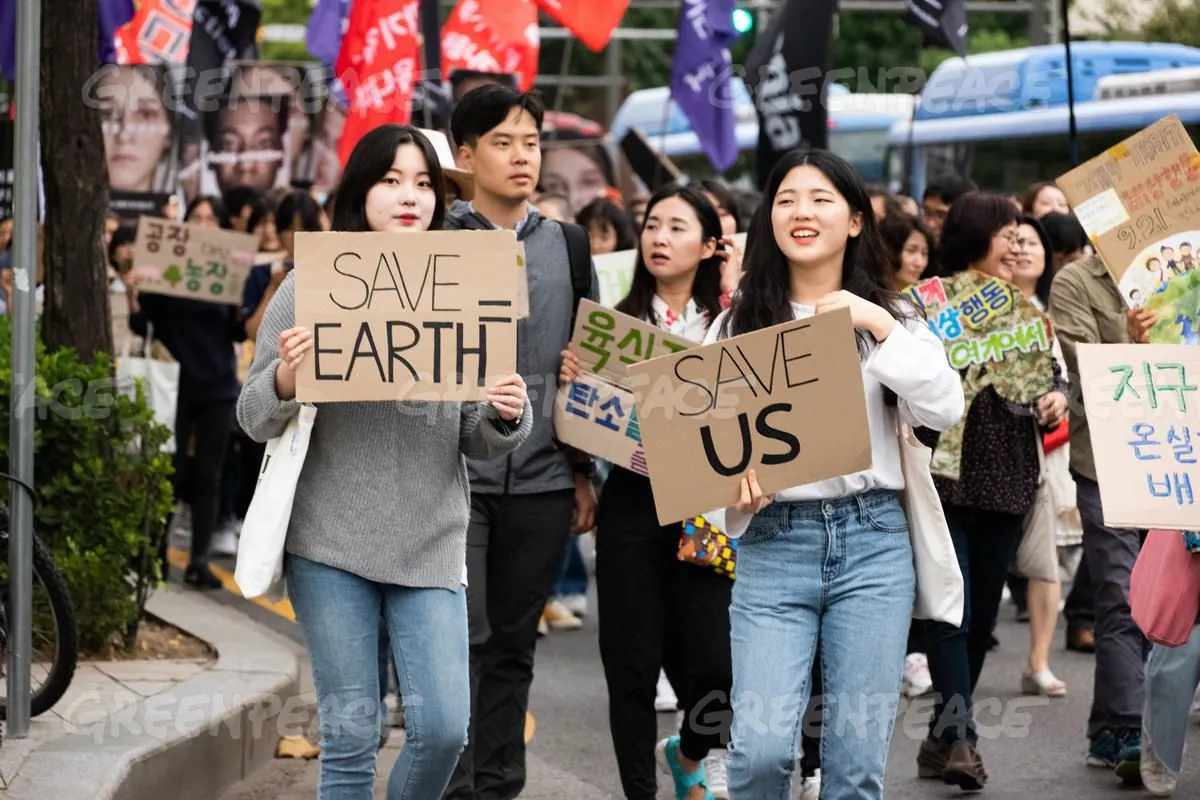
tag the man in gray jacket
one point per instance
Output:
(524, 507)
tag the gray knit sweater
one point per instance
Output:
(384, 491)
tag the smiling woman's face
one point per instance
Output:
(572, 173)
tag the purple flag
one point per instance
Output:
(701, 76)
(113, 14)
(325, 29)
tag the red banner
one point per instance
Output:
(493, 36)
(592, 21)
(159, 33)
(378, 65)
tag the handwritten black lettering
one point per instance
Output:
(414, 304)
(464, 351)
(366, 289)
(437, 328)
(317, 351)
(395, 350)
(436, 283)
(386, 268)
(712, 400)
(763, 425)
(364, 332)
(741, 376)
(767, 387)
(710, 450)
(787, 360)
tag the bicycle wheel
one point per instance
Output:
(55, 638)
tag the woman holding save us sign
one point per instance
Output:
(829, 563)
(381, 510)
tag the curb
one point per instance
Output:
(191, 742)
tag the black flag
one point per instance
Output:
(222, 31)
(944, 22)
(786, 77)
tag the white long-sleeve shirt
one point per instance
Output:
(912, 363)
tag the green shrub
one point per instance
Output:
(103, 486)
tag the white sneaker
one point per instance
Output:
(182, 521)
(225, 543)
(714, 768)
(811, 788)
(577, 604)
(666, 702)
(1155, 777)
(917, 680)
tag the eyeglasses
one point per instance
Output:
(1016, 242)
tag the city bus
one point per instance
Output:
(1008, 133)
(858, 129)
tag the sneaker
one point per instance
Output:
(665, 702)
(559, 618)
(917, 680)
(714, 765)
(543, 628)
(810, 788)
(1157, 780)
(1129, 758)
(577, 604)
(667, 755)
(225, 542)
(1103, 749)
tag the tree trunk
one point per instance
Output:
(76, 311)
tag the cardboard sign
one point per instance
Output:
(1140, 204)
(523, 283)
(1142, 409)
(607, 341)
(193, 262)
(787, 401)
(615, 273)
(600, 419)
(413, 316)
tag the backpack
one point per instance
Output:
(579, 254)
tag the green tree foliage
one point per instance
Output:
(285, 12)
(1175, 21)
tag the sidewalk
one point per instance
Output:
(181, 729)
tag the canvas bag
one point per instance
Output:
(264, 530)
(160, 379)
(940, 592)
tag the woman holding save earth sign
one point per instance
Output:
(829, 562)
(381, 510)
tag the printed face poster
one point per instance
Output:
(140, 128)
(425, 316)
(1142, 402)
(995, 337)
(1140, 204)
(786, 401)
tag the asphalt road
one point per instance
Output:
(1038, 750)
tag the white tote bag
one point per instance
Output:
(160, 380)
(940, 591)
(264, 531)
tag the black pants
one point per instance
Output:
(515, 546)
(1119, 695)
(657, 612)
(811, 729)
(985, 543)
(211, 422)
(250, 456)
(1079, 608)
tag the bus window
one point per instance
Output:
(863, 149)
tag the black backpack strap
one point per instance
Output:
(579, 253)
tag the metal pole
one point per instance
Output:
(25, 220)
(1073, 136)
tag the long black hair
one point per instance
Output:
(896, 228)
(1042, 288)
(765, 296)
(370, 160)
(725, 200)
(706, 285)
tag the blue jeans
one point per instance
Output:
(1172, 674)
(339, 613)
(573, 577)
(838, 573)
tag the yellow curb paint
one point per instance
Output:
(179, 558)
